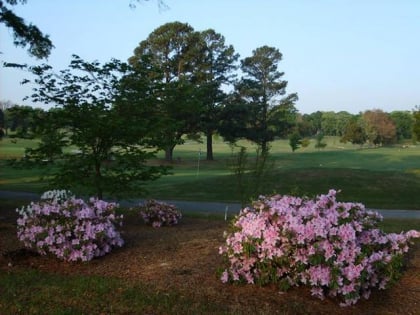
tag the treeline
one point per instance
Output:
(374, 126)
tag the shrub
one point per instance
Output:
(333, 247)
(159, 213)
(69, 228)
(58, 195)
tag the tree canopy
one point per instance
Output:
(260, 95)
(192, 66)
(93, 106)
(28, 35)
(25, 35)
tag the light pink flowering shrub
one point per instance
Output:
(333, 247)
(159, 213)
(70, 229)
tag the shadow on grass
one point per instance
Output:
(375, 189)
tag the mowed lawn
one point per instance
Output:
(386, 177)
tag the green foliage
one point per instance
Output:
(171, 51)
(354, 132)
(25, 34)
(319, 144)
(305, 142)
(215, 63)
(404, 121)
(333, 124)
(310, 124)
(295, 141)
(23, 121)
(256, 98)
(104, 119)
(378, 127)
(191, 67)
(416, 126)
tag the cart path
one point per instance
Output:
(209, 207)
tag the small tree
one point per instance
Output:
(295, 141)
(263, 91)
(94, 113)
(403, 121)
(318, 141)
(354, 133)
(379, 127)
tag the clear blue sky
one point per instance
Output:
(350, 55)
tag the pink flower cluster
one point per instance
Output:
(334, 247)
(159, 213)
(70, 229)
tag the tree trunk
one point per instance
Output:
(209, 136)
(98, 183)
(169, 152)
(264, 147)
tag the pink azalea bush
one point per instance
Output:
(159, 213)
(334, 247)
(70, 228)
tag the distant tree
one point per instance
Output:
(319, 144)
(310, 124)
(171, 49)
(316, 119)
(329, 123)
(295, 141)
(403, 121)
(303, 126)
(215, 62)
(354, 132)
(379, 127)
(260, 89)
(342, 119)
(94, 114)
(305, 142)
(22, 120)
(333, 124)
(416, 125)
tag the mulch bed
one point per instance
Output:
(185, 259)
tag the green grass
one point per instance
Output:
(399, 225)
(15, 148)
(387, 178)
(34, 292)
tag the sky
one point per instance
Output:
(338, 55)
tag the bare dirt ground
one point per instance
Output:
(185, 259)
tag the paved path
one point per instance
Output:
(212, 207)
